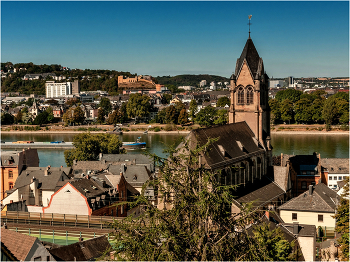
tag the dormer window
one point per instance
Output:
(85, 190)
(134, 178)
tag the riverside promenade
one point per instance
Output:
(11, 145)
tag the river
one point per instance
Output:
(329, 146)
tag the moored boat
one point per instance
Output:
(134, 145)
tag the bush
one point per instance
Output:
(307, 128)
(81, 129)
(157, 129)
(168, 127)
(46, 128)
(281, 128)
(320, 128)
(344, 127)
(328, 127)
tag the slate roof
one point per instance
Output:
(9, 155)
(260, 193)
(252, 57)
(87, 250)
(322, 199)
(18, 244)
(83, 166)
(88, 187)
(141, 173)
(227, 135)
(303, 230)
(335, 165)
(45, 182)
(281, 176)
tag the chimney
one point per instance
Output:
(310, 189)
(100, 156)
(295, 228)
(74, 162)
(267, 214)
(46, 172)
(5, 226)
(11, 201)
(121, 173)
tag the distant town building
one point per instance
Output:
(188, 88)
(290, 81)
(276, 83)
(37, 76)
(202, 83)
(61, 89)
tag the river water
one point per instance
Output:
(329, 146)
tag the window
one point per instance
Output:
(10, 185)
(339, 178)
(335, 178)
(37, 259)
(240, 96)
(250, 94)
(122, 209)
(48, 258)
(330, 178)
(303, 185)
(294, 216)
(320, 218)
(10, 174)
(344, 177)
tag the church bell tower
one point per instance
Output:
(249, 94)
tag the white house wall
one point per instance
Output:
(68, 200)
(46, 197)
(308, 218)
(13, 196)
(307, 246)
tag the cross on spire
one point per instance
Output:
(249, 17)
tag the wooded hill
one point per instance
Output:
(189, 80)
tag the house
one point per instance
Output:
(36, 185)
(88, 197)
(334, 170)
(313, 207)
(88, 250)
(12, 164)
(24, 247)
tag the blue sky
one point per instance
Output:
(299, 39)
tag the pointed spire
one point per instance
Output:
(249, 17)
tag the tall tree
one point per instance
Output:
(329, 111)
(287, 110)
(221, 117)
(302, 109)
(138, 105)
(275, 110)
(87, 147)
(193, 109)
(114, 118)
(206, 116)
(183, 117)
(223, 101)
(316, 110)
(170, 114)
(106, 106)
(342, 221)
(100, 116)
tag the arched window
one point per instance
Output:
(250, 93)
(240, 96)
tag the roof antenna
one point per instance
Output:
(249, 17)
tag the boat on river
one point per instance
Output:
(134, 145)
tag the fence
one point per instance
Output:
(60, 237)
(52, 219)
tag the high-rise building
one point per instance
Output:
(59, 89)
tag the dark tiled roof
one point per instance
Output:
(251, 55)
(49, 182)
(136, 158)
(18, 244)
(235, 142)
(136, 175)
(9, 155)
(87, 250)
(260, 192)
(335, 165)
(89, 165)
(322, 199)
(88, 187)
(303, 230)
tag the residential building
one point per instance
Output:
(202, 83)
(334, 170)
(12, 164)
(316, 206)
(24, 247)
(38, 76)
(58, 89)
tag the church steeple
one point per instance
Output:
(252, 58)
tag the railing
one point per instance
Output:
(60, 237)
(52, 219)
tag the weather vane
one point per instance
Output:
(249, 17)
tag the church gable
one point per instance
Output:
(245, 77)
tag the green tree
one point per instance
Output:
(138, 105)
(193, 109)
(221, 117)
(25, 110)
(7, 119)
(275, 110)
(100, 116)
(114, 118)
(302, 109)
(343, 110)
(170, 116)
(183, 117)
(161, 116)
(41, 118)
(291, 94)
(316, 110)
(50, 116)
(197, 223)
(206, 116)
(329, 111)
(123, 113)
(79, 115)
(287, 110)
(166, 98)
(18, 118)
(106, 105)
(223, 101)
(87, 147)
(342, 221)
(30, 102)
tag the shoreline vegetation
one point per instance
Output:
(162, 129)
